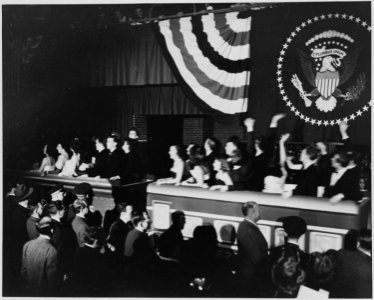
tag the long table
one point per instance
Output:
(327, 227)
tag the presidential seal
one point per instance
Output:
(324, 68)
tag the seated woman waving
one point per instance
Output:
(197, 168)
(179, 167)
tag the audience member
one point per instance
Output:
(36, 210)
(79, 223)
(353, 277)
(90, 273)
(119, 229)
(294, 227)
(320, 271)
(63, 152)
(171, 240)
(57, 193)
(287, 276)
(222, 181)
(252, 249)
(39, 263)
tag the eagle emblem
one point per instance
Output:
(328, 65)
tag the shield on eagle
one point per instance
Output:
(327, 82)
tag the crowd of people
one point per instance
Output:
(262, 163)
(58, 244)
(55, 245)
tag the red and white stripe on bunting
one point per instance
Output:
(211, 56)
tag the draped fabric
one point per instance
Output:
(210, 57)
(126, 58)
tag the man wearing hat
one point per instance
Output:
(39, 262)
(294, 227)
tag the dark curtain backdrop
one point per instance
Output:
(126, 57)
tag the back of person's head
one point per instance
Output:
(294, 226)
(138, 218)
(364, 239)
(177, 217)
(288, 275)
(123, 207)
(44, 226)
(197, 154)
(354, 156)
(55, 207)
(312, 152)
(79, 205)
(75, 145)
(206, 236)
(248, 207)
(321, 269)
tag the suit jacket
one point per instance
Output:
(31, 227)
(113, 165)
(252, 250)
(348, 185)
(80, 228)
(39, 267)
(307, 182)
(353, 278)
(117, 235)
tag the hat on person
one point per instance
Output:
(55, 189)
(294, 226)
(82, 189)
(21, 192)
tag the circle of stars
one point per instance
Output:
(282, 91)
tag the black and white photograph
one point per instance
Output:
(186, 150)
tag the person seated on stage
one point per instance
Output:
(241, 167)
(63, 151)
(353, 277)
(287, 276)
(197, 168)
(343, 184)
(179, 167)
(48, 162)
(131, 169)
(294, 227)
(72, 163)
(276, 173)
(222, 181)
(113, 163)
(212, 149)
(324, 165)
(170, 241)
(98, 162)
(261, 149)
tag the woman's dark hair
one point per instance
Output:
(180, 151)
(197, 155)
(75, 145)
(100, 139)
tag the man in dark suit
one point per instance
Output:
(252, 249)
(344, 184)
(79, 223)
(294, 227)
(308, 178)
(353, 277)
(113, 166)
